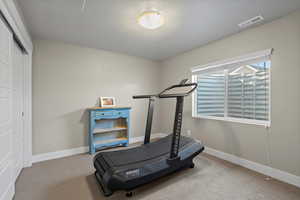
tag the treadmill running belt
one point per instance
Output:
(142, 153)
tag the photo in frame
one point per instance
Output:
(107, 102)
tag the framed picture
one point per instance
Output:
(107, 102)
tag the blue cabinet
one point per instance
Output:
(109, 127)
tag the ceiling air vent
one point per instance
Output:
(251, 22)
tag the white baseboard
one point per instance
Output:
(70, 152)
(58, 154)
(263, 169)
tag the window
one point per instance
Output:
(234, 90)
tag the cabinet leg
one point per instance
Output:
(92, 150)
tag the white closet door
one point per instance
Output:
(6, 143)
(17, 108)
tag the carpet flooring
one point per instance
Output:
(72, 178)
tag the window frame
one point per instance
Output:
(264, 55)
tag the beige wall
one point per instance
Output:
(67, 79)
(251, 142)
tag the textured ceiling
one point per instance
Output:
(111, 24)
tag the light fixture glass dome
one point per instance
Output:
(151, 19)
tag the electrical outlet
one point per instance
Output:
(189, 133)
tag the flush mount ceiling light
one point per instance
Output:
(151, 19)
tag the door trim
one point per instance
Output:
(27, 133)
(11, 13)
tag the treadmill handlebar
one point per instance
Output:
(144, 96)
(182, 84)
(192, 85)
(178, 91)
(149, 116)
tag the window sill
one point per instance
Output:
(266, 124)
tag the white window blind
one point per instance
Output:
(211, 94)
(234, 90)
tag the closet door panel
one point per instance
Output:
(6, 144)
(17, 108)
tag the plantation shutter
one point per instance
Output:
(211, 94)
(248, 93)
(235, 89)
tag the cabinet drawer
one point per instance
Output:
(104, 113)
(121, 112)
(111, 114)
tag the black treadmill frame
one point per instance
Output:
(174, 162)
(178, 116)
(149, 115)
